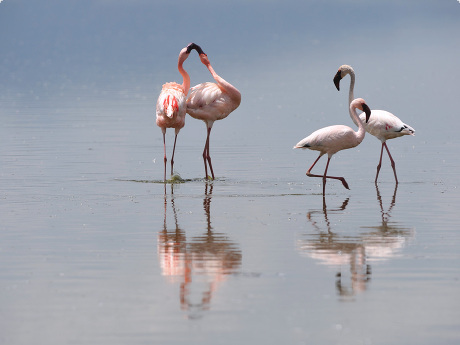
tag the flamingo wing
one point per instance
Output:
(203, 94)
(171, 107)
(168, 105)
(329, 139)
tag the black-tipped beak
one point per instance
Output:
(367, 111)
(192, 46)
(337, 79)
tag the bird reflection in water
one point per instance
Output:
(384, 241)
(353, 251)
(198, 264)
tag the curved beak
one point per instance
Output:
(192, 46)
(367, 110)
(337, 79)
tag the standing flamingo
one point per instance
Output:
(210, 102)
(332, 139)
(171, 104)
(383, 125)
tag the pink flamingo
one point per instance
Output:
(332, 139)
(171, 104)
(210, 102)
(383, 125)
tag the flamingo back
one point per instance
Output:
(171, 106)
(384, 125)
(207, 102)
(330, 140)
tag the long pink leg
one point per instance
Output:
(204, 160)
(314, 163)
(206, 156)
(393, 165)
(324, 176)
(380, 163)
(165, 159)
(172, 157)
(345, 184)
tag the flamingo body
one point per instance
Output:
(332, 139)
(383, 125)
(171, 107)
(210, 102)
(171, 104)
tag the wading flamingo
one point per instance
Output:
(332, 139)
(383, 125)
(210, 102)
(171, 104)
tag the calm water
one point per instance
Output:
(96, 250)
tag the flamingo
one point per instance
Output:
(383, 125)
(171, 104)
(210, 102)
(333, 139)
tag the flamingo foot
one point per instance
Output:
(345, 184)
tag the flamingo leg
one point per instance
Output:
(393, 165)
(345, 184)
(205, 163)
(165, 159)
(380, 163)
(172, 157)
(308, 171)
(324, 176)
(206, 156)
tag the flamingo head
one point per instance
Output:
(341, 73)
(192, 46)
(183, 55)
(185, 52)
(204, 59)
(203, 56)
(361, 105)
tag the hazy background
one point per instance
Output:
(281, 55)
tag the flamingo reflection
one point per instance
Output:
(353, 252)
(384, 241)
(199, 264)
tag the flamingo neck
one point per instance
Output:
(351, 96)
(356, 119)
(213, 73)
(185, 77)
(225, 86)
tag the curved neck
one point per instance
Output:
(351, 96)
(213, 73)
(225, 85)
(356, 119)
(185, 77)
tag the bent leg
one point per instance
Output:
(345, 184)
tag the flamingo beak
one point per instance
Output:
(192, 46)
(337, 79)
(367, 110)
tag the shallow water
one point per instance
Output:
(96, 249)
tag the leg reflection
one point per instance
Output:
(200, 263)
